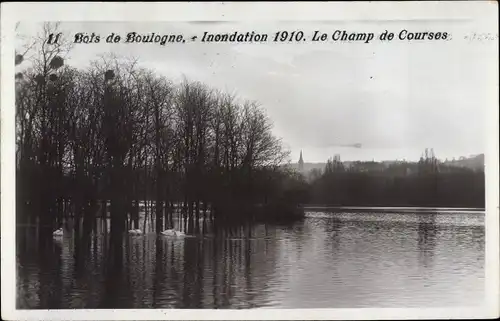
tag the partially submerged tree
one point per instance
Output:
(118, 133)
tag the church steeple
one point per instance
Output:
(301, 162)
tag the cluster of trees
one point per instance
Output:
(119, 133)
(430, 185)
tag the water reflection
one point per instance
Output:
(330, 260)
(333, 227)
(426, 238)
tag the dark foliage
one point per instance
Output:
(427, 184)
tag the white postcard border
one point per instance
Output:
(485, 12)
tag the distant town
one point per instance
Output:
(399, 167)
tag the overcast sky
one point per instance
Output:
(394, 98)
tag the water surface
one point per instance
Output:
(344, 259)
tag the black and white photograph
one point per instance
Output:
(231, 163)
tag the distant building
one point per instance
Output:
(301, 163)
(474, 162)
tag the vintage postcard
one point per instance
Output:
(249, 160)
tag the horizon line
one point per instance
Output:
(396, 160)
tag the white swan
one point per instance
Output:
(173, 232)
(169, 232)
(58, 232)
(135, 232)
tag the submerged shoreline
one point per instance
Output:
(435, 210)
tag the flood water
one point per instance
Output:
(330, 260)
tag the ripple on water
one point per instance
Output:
(330, 260)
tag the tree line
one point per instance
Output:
(115, 133)
(427, 183)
